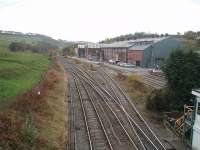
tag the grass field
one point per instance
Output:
(20, 72)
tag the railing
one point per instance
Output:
(187, 116)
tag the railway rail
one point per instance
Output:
(109, 120)
(154, 81)
(132, 110)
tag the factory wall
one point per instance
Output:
(115, 54)
(135, 57)
(93, 53)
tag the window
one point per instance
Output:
(198, 108)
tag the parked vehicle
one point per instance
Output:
(117, 62)
(127, 65)
(97, 62)
(111, 61)
(121, 64)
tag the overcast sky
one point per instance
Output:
(94, 20)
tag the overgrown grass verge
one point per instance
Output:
(133, 83)
(37, 121)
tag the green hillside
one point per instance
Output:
(19, 72)
(7, 38)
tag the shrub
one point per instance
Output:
(121, 76)
(29, 132)
(10, 126)
(157, 101)
(133, 80)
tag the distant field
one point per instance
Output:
(19, 72)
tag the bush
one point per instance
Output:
(10, 126)
(134, 82)
(157, 101)
(121, 76)
(133, 79)
(40, 47)
(29, 132)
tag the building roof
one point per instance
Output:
(93, 45)
(139, 47)
(121, 44)
(149, 39)
(138, 44)
(196, 92)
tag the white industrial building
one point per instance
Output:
(196, 127)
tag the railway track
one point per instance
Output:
(132, 110)
(97, 135)
(124, 136)
(154, 81)
(77, 132)
(110, 120)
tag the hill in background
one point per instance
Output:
(7, 37)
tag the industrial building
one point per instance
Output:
(147, 52)
(196, 126)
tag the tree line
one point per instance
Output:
(40, 47)
(191, 35)
(136, 35)
(69, 50)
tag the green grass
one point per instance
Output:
(20, 72)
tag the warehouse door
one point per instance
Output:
(137, 63)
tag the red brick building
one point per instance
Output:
(135, 57)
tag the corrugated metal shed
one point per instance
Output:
(155, 54)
